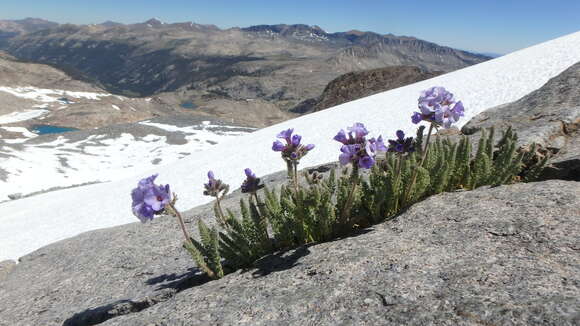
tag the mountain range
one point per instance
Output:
(275, 66)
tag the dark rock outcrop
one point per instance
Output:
(355, 85)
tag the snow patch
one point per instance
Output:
(49, 95)
(63, 163)
(22, 116)
(25, 132)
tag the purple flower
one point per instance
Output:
(438, 106)
(293, 150)
(359, 130)
(285, 134)
(149, 199)
(341, 137)
(249, 173)
(214, 187)
(277, 146)
(416, 117)
(401, 144)
(296, 140)
(252, 183)
(366, 162)
(377, 145)
(356, 134)
(349, 153)
(356, 149)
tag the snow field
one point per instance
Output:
(63, 163)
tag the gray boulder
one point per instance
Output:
(504, 255)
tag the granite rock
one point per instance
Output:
(503, 255)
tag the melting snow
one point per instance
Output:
(25, 132)
(30, 223)
(63, 163)
(21, 116)
(49, 95)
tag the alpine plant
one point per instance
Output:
(216, 188)
(438, 106)
(324, 209)
(356, 149)
(292, 151)
(149, 199)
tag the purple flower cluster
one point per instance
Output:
(214, 187)
(356, 149)
(252, 183)
(401, 144)
(438, 106)
(293, 150)
(149, 199)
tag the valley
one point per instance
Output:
(235, 73)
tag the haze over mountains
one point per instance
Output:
(264, 70)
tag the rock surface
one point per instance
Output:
(549, 116)
(5, 268)
(505, 255)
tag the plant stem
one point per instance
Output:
(398, 178)
(180, 219)
(416, 172)
(350, 198)
(188, 242)
(292, 167)
(222, 217)
(295, 165)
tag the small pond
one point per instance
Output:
(188, 105)
(48, 129)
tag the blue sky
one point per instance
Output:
(482, 26)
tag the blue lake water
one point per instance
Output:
(188, 105)
(48, 129)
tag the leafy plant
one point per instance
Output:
(206, 252)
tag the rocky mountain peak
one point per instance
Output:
(110, 23)
(286, 30)
(154, 22)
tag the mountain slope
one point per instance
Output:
(32, 222)
(38, 94)
(282, 64)
(12, 28)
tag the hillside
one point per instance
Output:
(37, 94)
(187, 62)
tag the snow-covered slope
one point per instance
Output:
(105, 155)
(30, 223)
